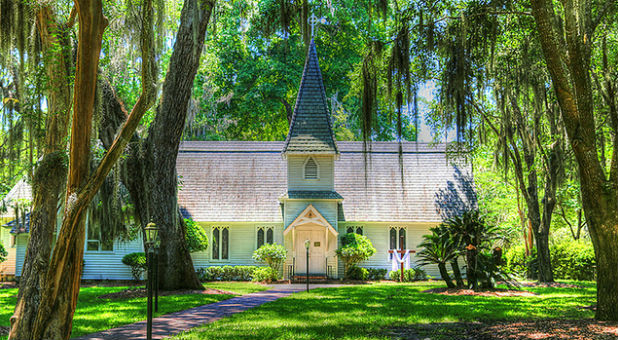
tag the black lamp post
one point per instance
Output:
(307, 244)
(152, 235)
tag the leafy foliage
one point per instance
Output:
(196, 237)
(265, 274)
(354, 249)
(226, 273)
(376, 274)
(3, 253)
(409, 275)
(271, 254)
(137, 262)
(356, 273)
(573, 260)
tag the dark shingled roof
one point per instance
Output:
(305, 194)
(310, 129)
(18, 227)
(243, 181)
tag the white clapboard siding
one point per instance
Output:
(378, 234)
(296, 177)
(107, 265)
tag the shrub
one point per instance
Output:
(271, 254)
(354, 249)
(196, 237)
(137, 262)
(356, 273)
(409, 275)
(226, 273)
(3, 253)
(265, 274)
(376, 274)
(573, 260)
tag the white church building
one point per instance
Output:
(308, 187)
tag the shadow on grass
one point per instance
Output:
(364, 312)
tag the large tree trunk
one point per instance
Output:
(50, 175)
(568, 62)
(153, 165)
(61, 287)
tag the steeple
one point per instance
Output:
(310, 129)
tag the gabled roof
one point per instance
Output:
(243, 182)
(310, 128)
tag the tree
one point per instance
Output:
(567, 48)
(152, 162)
(54, 313)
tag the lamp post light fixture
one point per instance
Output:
(307, 245)
(152, 238)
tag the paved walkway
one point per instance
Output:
(174, 323)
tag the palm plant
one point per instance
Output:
(470, 231)
(439, 248)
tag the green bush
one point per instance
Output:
(265, 274)
(137, 262)
(226, 273)
(572, 260)
(409, 275)
(376, 274)
(196, 237)
(3, 253)
(354, 249)
(356, 273)
(271, 254)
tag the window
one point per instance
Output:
(265, 235)
(358, 230)
(311, 169)
(96, 240)
(395, 235)
(220, 243)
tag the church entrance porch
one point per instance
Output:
(310, 226)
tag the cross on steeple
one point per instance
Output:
(313, 20)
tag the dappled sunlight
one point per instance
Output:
(364, 312)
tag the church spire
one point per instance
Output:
(310, 128)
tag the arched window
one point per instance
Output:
(220, 243)
(265, 235)
(395, 235)
(311, 169)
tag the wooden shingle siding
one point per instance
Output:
(8, 266)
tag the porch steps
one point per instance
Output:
(312, 278)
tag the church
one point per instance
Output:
(307, 188)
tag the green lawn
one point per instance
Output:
(368, 312)
(93, 314)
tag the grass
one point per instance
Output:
(94, 314)
(369, 312)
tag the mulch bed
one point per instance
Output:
(493, 292)
(142, 293)
(546, 329)
(548, 285)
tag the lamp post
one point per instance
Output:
(152, 235)
(307, 244)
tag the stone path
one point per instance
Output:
(174, 323)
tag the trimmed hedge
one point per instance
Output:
(356, 273)
(265, 274)
(572, 260)
(376, 274)
(227, 273)
(409, 275)
(137, 262)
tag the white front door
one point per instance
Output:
(317, 251)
